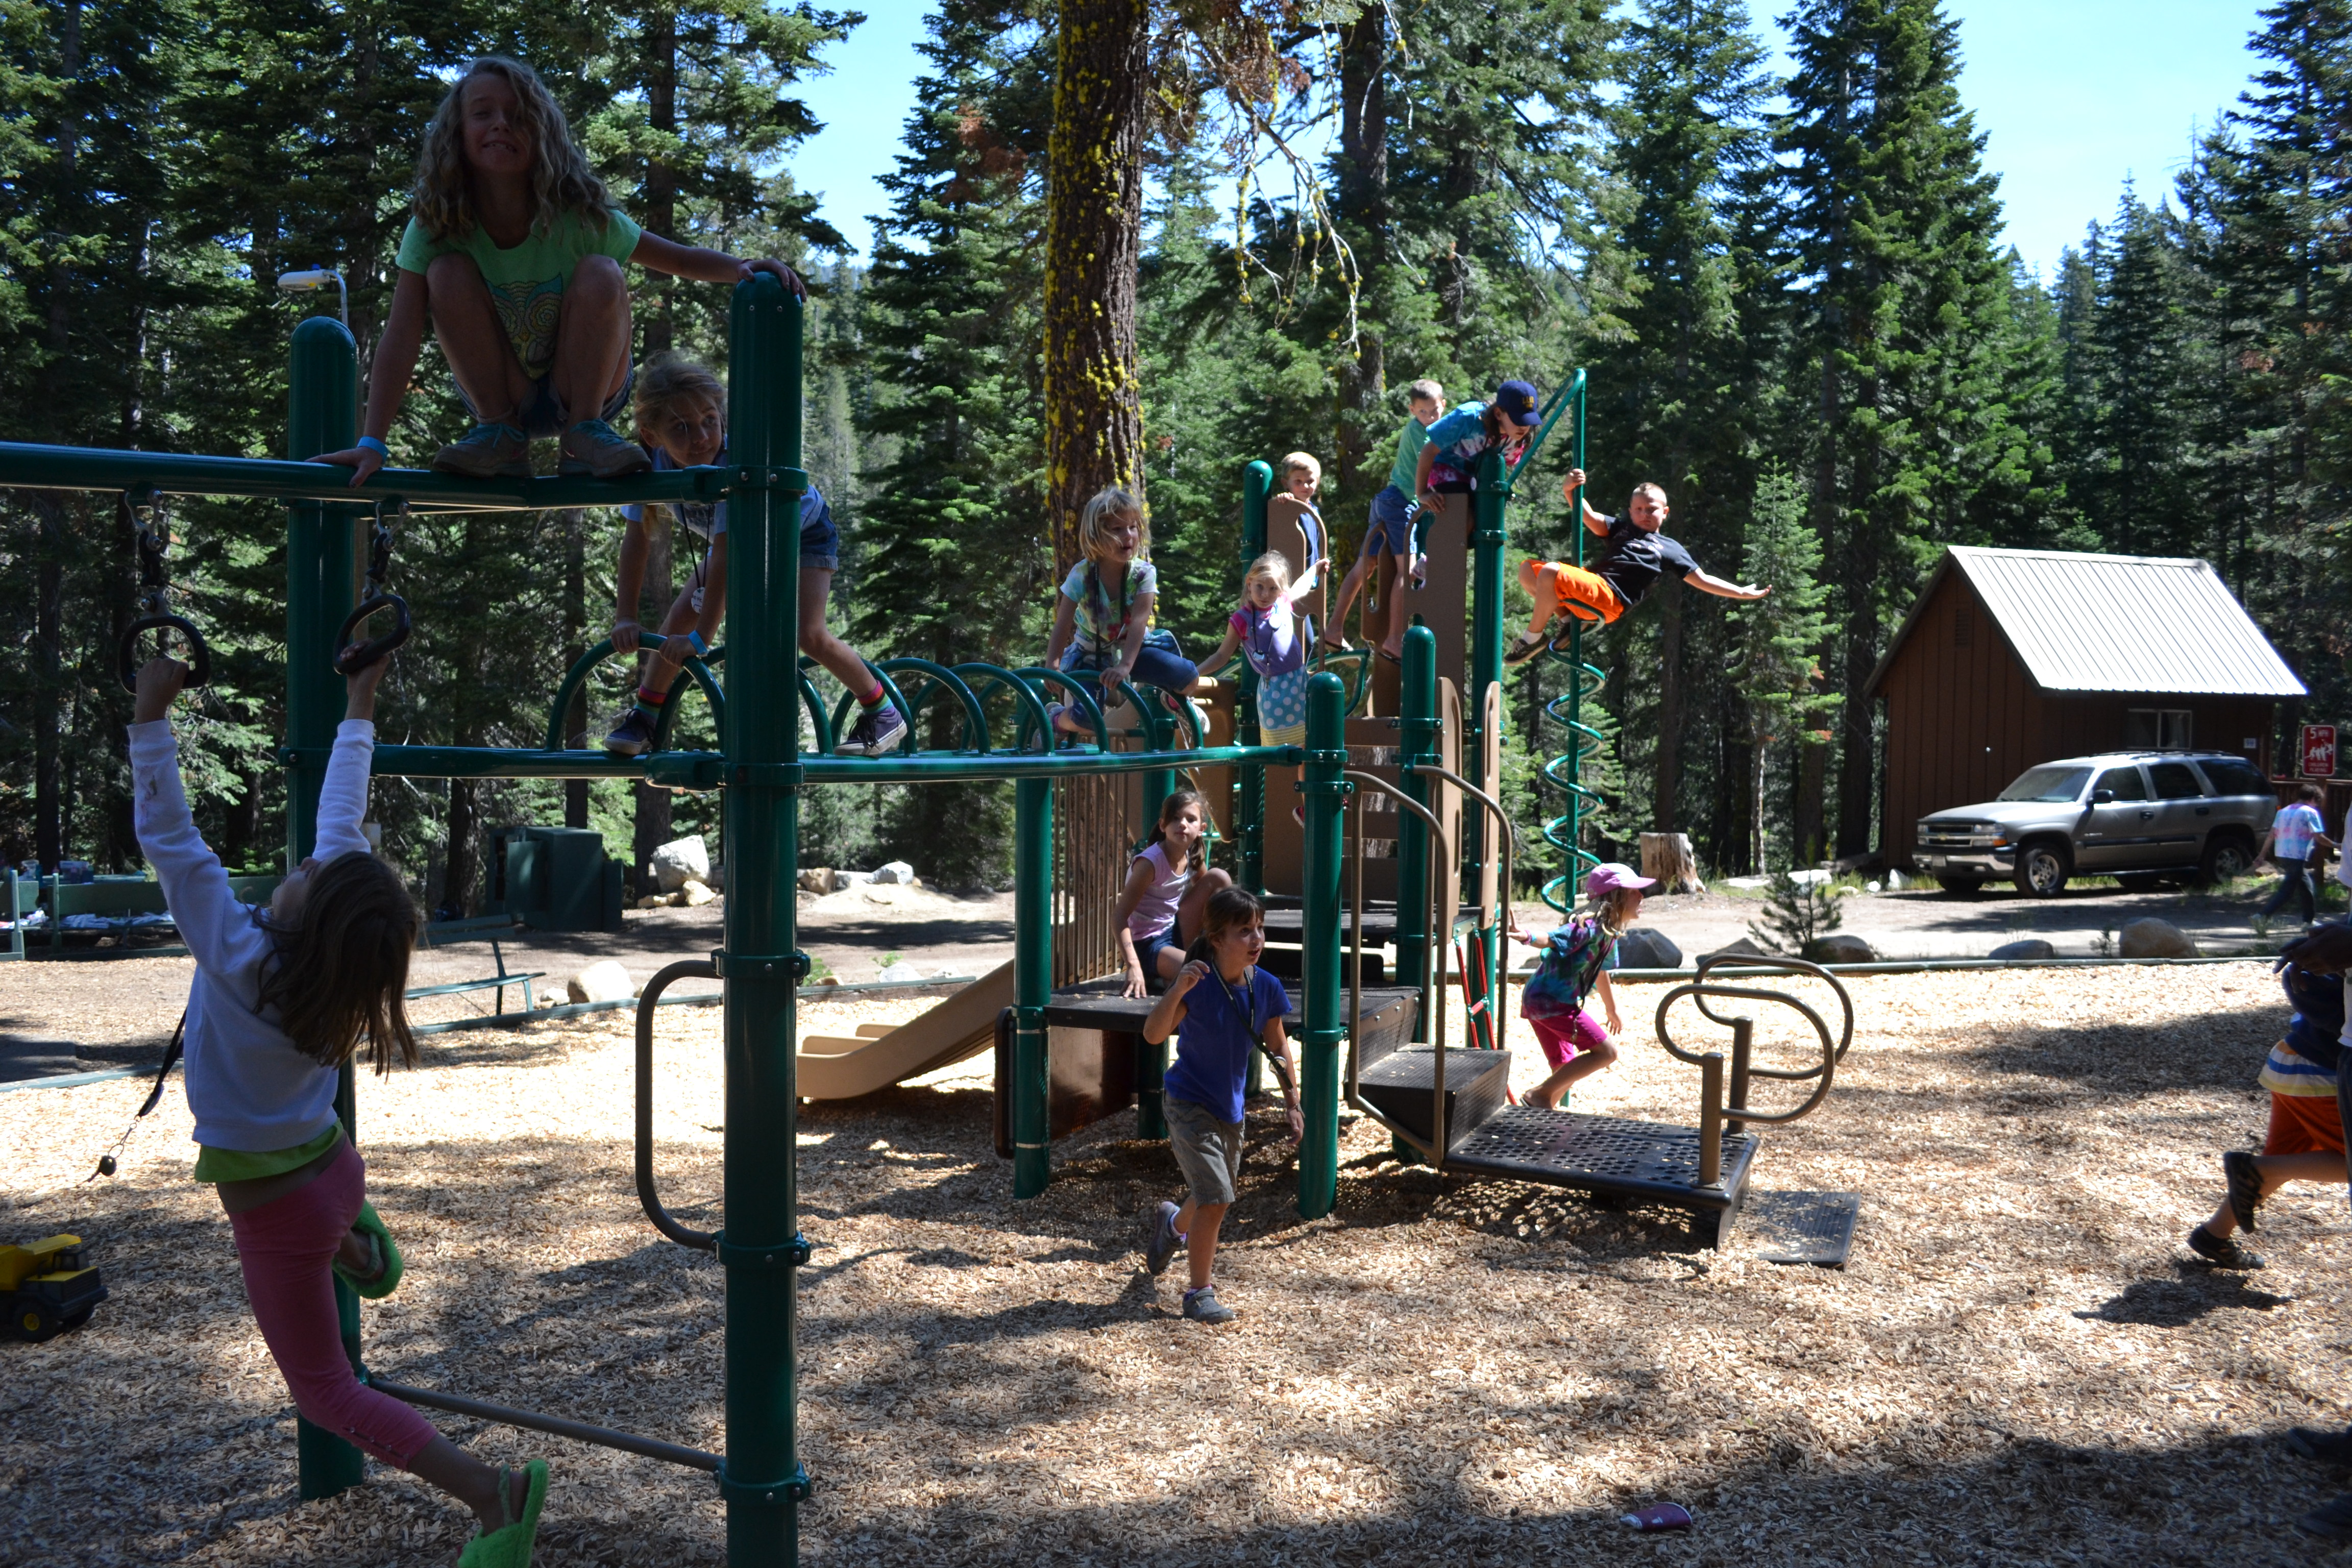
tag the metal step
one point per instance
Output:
(1400, 1084)
(1643, 1161)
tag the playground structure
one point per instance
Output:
(1421, 759)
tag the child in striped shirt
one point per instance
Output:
(2306, 1142)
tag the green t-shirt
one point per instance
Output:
(244, 1165)
(1407, 466)
(526, 283)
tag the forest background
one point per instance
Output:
(1790, 296)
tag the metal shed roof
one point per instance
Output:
(2116, 623)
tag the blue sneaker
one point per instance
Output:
(878, 730)
(1203, 1307)
(1160, 1239)
(596, 449)
(633, 736)
(486, 452)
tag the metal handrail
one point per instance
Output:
(1561, 401)
(1079, 696)
(1440, 851)
(1804, 967)
(1494, 807)
(684, 1234)
(1721, 1113)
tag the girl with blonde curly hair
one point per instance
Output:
(513, 252)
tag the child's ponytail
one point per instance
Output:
(342, 970)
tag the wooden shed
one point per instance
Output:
(2011, 657)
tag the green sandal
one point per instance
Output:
(387, 1277)
(510, 1547)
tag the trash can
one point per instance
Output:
(556, 879)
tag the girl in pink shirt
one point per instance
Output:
(1166, 888)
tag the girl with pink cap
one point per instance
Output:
(1575, 963)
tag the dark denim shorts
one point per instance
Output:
(820, 540)
(1391, 530)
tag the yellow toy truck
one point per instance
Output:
(46, 1288)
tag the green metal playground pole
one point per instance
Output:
(1258, 485)
(1576, 675)
(321, 415)
(1418, 733)
(761, 1478)
(1151, 1061)
(1033, 983)
(1318, 1042)
(1494, 496)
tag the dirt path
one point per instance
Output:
(2018, 1366)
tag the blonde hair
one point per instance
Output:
(1298, 460)
(1616, 909)
(668, 382)
(1646, 489)
(1109, 502)
(1425, 391)
(1273, 565)
(560, 180)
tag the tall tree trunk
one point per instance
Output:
(48, 611)
(1094, 238)
(1363, 214)
(658, 201)
(1806, 802)
(575, 643)
(1663, 810)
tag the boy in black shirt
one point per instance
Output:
(1633, 555)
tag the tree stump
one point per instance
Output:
(1667, 856)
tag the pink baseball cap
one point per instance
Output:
(1610, 875)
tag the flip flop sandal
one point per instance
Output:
(510, 1547)
(1388, 658)
(386, 1277)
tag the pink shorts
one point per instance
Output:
(1564, 1039)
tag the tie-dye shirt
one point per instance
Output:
(526, 283)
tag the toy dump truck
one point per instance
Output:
(46, 1288)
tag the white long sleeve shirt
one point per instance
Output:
(251, 1088)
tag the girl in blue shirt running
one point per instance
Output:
(1220, 1007)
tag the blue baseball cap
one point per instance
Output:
(1518, 399)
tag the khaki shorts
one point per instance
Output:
(1209, 1152)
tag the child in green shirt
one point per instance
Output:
(514, 254)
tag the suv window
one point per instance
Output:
(2229, 776)
(2174, 780)
(2125, 782)
(2053, 783)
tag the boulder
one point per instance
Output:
(896, 872)
(654, 902)
(2148, 937)
(605, 981)
(1642, 948)
(1840, 947)
(902, 974)
(1896, 881)
(818, 879)
(680, 861)
(694, 895)
(2027, 947)
(1737, 947)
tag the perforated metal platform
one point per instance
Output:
(1400, 1081)
(1650, 1162)
(1801, 1227)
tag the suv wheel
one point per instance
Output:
(2226, 859)
(2042, 869)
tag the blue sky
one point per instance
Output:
(2072, 95)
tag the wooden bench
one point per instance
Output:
(19, 897)
(481, 928)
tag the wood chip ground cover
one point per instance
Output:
(2018, 1365)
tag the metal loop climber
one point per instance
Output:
(349, 658)
(155, 544)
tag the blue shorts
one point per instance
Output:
(1163, 665)
(540, 417)
(820, 540)
(1389, 531)
(1147, 953)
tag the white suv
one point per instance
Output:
(2137, 816)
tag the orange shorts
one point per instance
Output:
(1583, 595)
(2303, 1124)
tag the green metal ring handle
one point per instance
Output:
(603, 651)
(975, 717)
(663, 725)
(1804, 967)
(1080, 697)
(813, 701)
(664, 1221)
(1361, 680)
(1826, 1072)
(1158, 714)
(997, 675)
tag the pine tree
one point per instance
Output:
(1779, 639)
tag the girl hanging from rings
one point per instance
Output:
(284, 995)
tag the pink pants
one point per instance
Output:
(1564, 1039)
(284, 1247)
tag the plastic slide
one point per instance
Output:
(843, 1067)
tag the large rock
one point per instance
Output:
(1840, 947)
(2148, 937)
(1642, 948)
(680, 861)
(1737, 947)
(895, 871)
(697, 894)
(605, 981)
(2028, 947)
(902, 974)
(818, 879)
